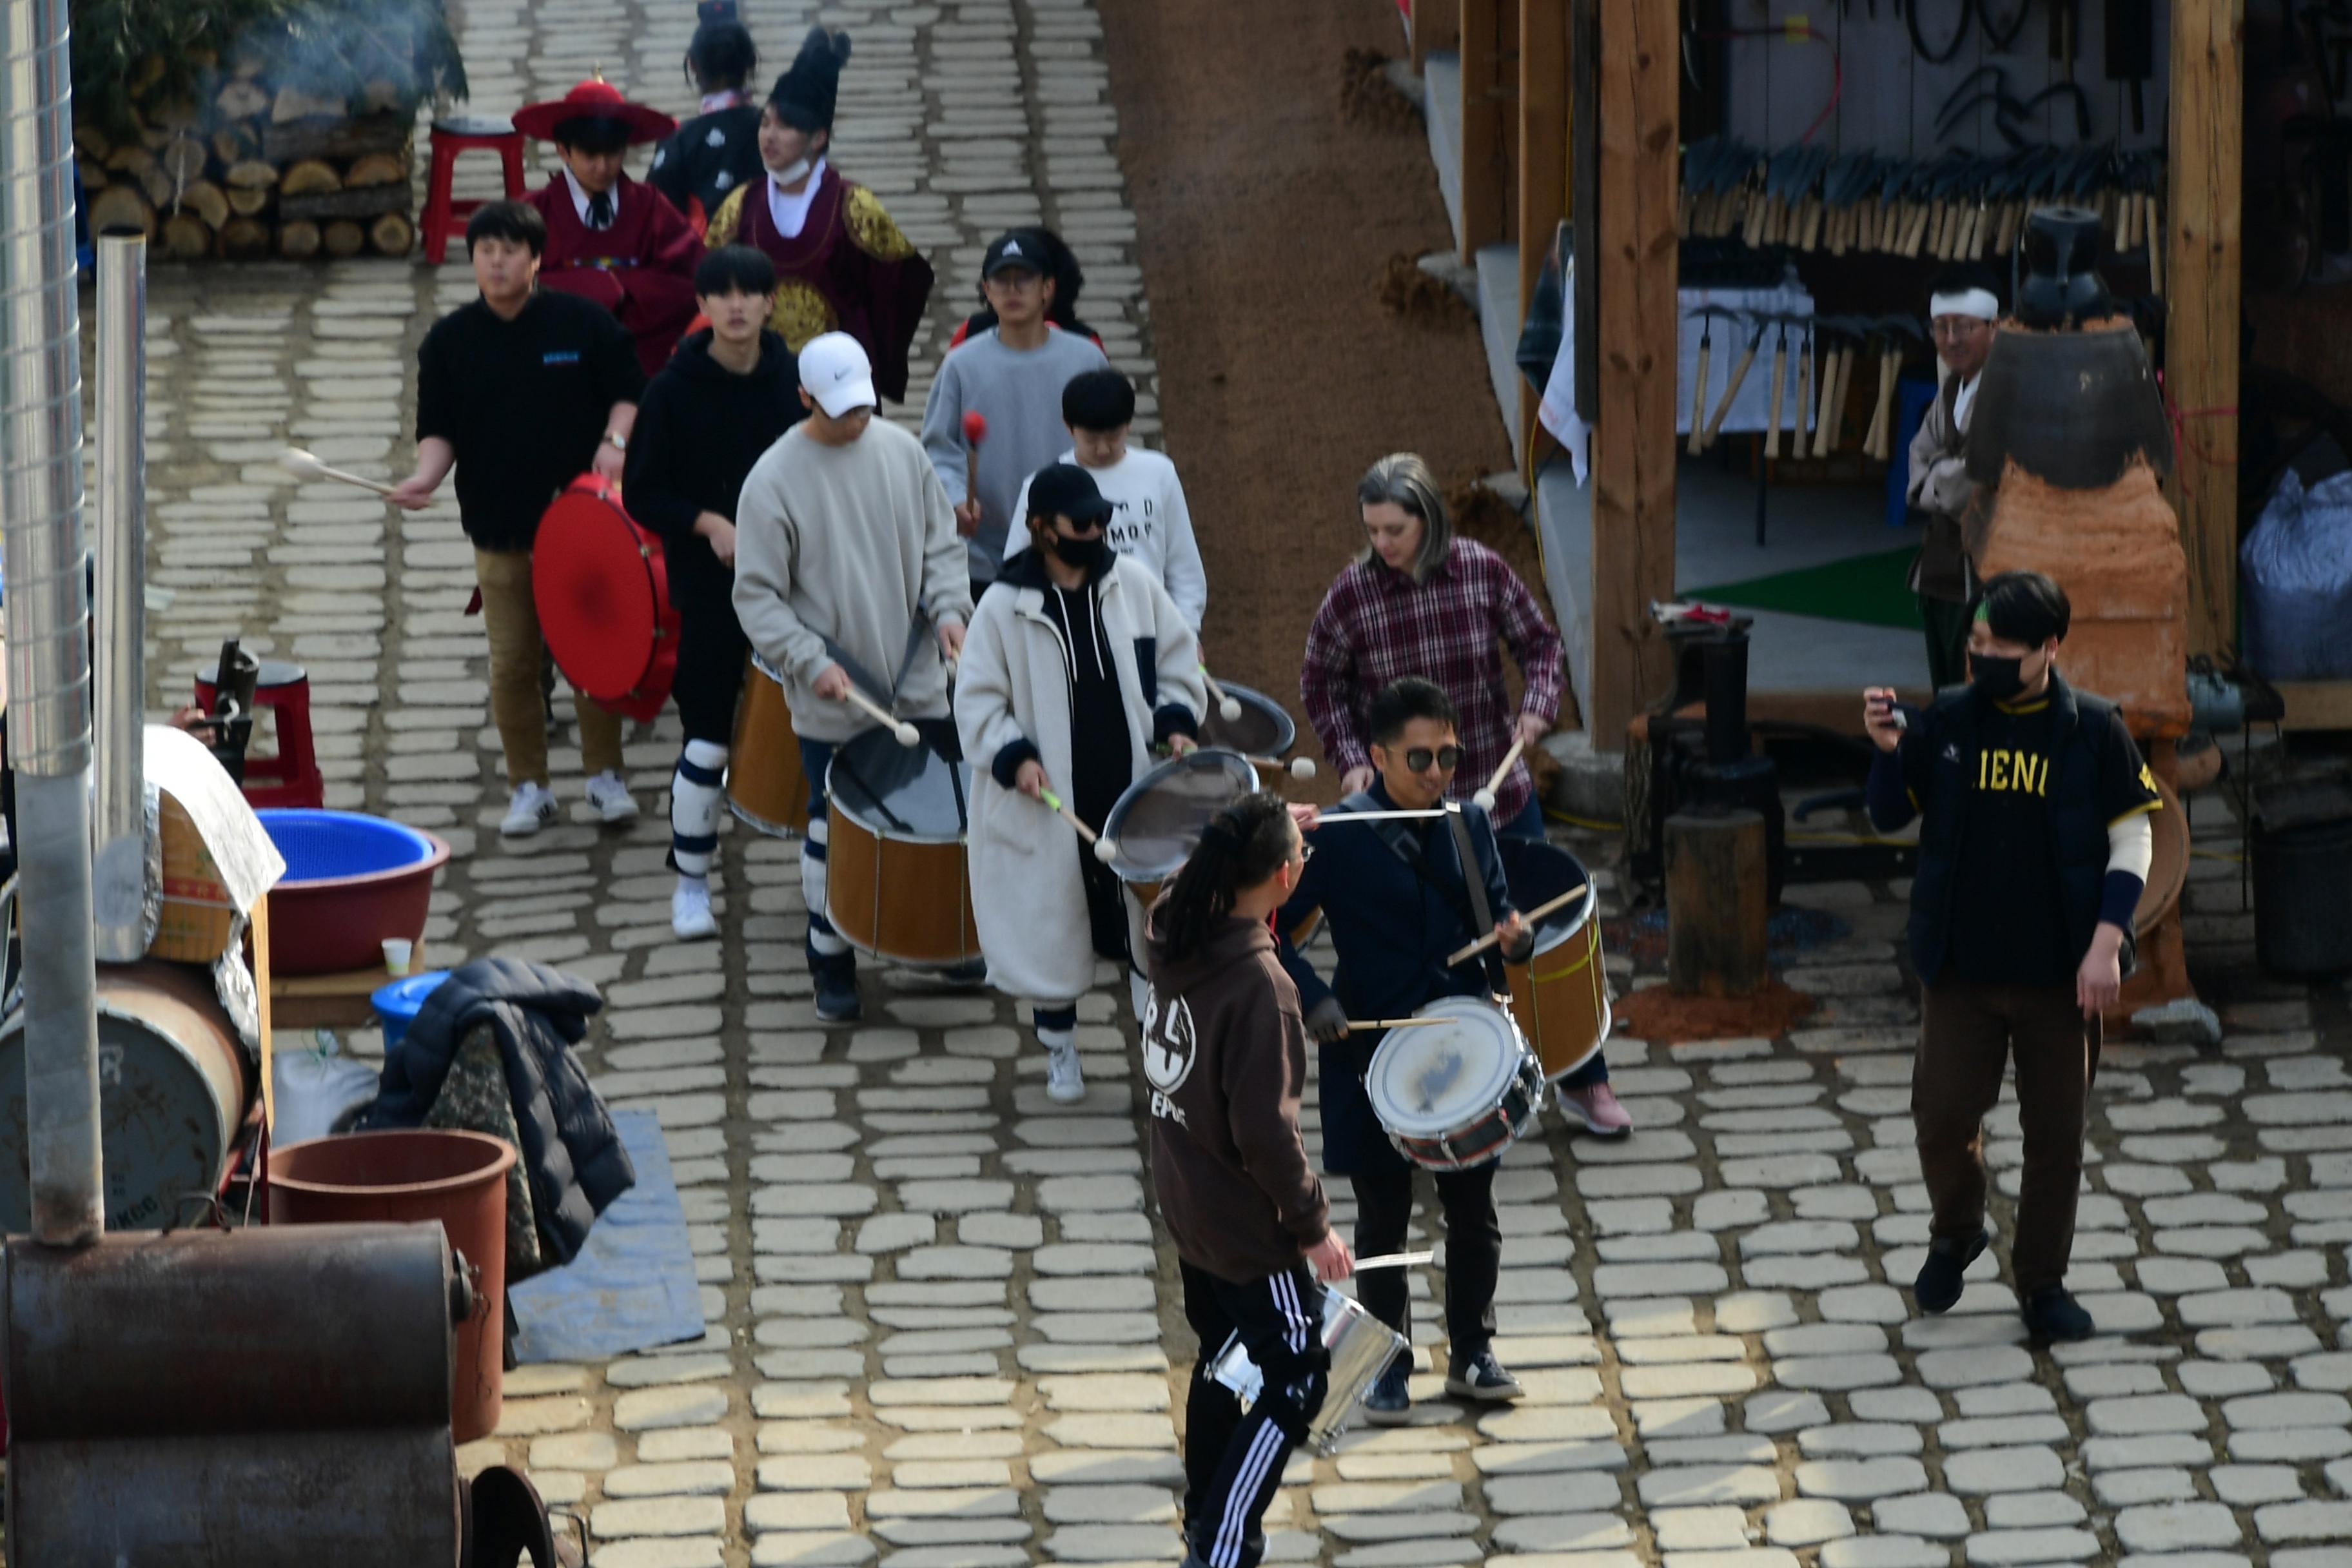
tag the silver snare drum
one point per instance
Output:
(1361, 1347)
(1455, 1095)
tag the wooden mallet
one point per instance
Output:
(1367, 1026)
(1228, 708)
(1484, 799)
(1105, 851)
(1298, 767)
(306, 466)
(906, 733)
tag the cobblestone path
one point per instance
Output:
(942, 1322)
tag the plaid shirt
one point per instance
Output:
(1378, 625)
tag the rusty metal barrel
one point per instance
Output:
(264, 1398)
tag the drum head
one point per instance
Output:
(908, 793)
(1264, 729)
(1159, 820)
(598, 604)
(1536, 873)
(1428, 1081)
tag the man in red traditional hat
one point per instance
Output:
(842, 264)
(609, 239)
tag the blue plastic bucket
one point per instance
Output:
(398, 1002)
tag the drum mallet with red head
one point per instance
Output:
(306, 465)
(1484, 799)
(906, 733)
(1105, 851)
(1229, 708)
(976, 431)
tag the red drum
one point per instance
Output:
(601, 586)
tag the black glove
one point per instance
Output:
(1518, 952)
(1327, 1021)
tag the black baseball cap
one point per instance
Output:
(1064, 490)
(1017, 249)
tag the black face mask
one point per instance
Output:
(1089, 555)
(1998, 678)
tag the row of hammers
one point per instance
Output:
(1844, 339)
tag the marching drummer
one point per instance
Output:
(846, 551)
(721, 402)
(523, 391)
(1395, 898)
(1224, 1052)
(1080, 664)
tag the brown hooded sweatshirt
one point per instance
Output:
(1225, 1055)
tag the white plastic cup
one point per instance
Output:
(397, 952)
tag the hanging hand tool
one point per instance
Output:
(1804, 390)
(1891, 331)
(1837, 375)
(1731, 389)
(2130, 44)
(1707, 315)
(1780, 386)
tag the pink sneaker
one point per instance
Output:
(1596, 1108)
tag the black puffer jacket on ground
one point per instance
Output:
(571, 1149)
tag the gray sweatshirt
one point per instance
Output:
(840, 544)
(1019, 392)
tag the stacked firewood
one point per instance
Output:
(256, 170)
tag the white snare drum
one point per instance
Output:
(1455, 1095)
(1361, 1347)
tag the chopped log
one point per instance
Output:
(91, 143)
(251, 175)
(391, 234)
(382, 97)
(186, 237)
(184, 160)
(1717, 892)
(235, 143)
(298, 240)
(250, 64)
(377, 169)
(121, 209)
(344, 238)
(176, 116)
(133, 160)
(365, 203)
(145, 74)
(309, 177)
(161, 188)
(248, 203)
(341, 137)
(292, 103)
(207, 201)
(155, 137)
(93, 175)
(242, 98)
(244, 240)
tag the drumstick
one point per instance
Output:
(1104, 848)
(1396, 1260)
(1298, 767)
(1228, 708)
(1366, 1026)
(304, 465)
(906, 733)
(1474, 949)
(1484, 799)
(1376, 815)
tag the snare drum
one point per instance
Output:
(765, 786)
(1264, 729)
(1454, 1096)
(1560, 995)
(1157, 822)
(1361, 1348)
(897, 885)
(601, 585)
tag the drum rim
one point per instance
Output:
(1128, 870)
(1249, 696)
(880, 830)
(1490, 1096)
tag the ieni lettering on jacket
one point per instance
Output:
(1171, 1044)
(2002, 771)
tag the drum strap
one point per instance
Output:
(1465, 855)
(1402, 842)
(918, 630)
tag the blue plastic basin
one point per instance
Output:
(397, 1003)
(327, 845)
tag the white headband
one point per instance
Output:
(1977, 302)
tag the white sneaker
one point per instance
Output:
(1066, 1082)
(689, 910)
(611, 799)
(532, 808)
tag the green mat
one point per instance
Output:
(1866, 589)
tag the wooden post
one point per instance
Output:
(1543, 164)
(1637, 322)
(2202, 271)
(1485, 126)
(1716, 921)
(1436, 25)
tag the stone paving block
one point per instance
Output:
(694, 1477)
(659, 1516)
(1807, 1522)
(811, 1549)
(1859, 1480)
(1884, 1551)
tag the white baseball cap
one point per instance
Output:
(836, 373)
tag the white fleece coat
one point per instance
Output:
(1014, 684)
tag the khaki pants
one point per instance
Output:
(1967, 1033)
(516, 705)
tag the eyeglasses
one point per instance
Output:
(1419, 758)
(1306, 853)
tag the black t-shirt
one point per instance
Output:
(525, 404)
(2009, 917)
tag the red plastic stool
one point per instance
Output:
(292, 777)
(469, 133)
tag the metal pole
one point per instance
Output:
(119, 871)
(46, 564)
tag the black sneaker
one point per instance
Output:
(837, 987)
(1937, 1288)
(2052, 1316)
(1482, 1377)
(1390, 1404)
(973, 971)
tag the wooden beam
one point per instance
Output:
(1542, 163)
(2318, 704)
(1634, 418)
(1436, 25)
(1485, 126)
(2202, 299)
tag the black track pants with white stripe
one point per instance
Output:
(1234, 1462)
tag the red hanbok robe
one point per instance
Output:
(641, 269)
(849, 270)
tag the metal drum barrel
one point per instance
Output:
(174, 1088)
(1264, 729)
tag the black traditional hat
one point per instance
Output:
(804, 95)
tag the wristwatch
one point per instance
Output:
(618, 442)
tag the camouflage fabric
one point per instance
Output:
(473, 1098)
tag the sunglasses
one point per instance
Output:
(1419, 758)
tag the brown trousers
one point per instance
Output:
(1967, 1032)
(517, 706)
